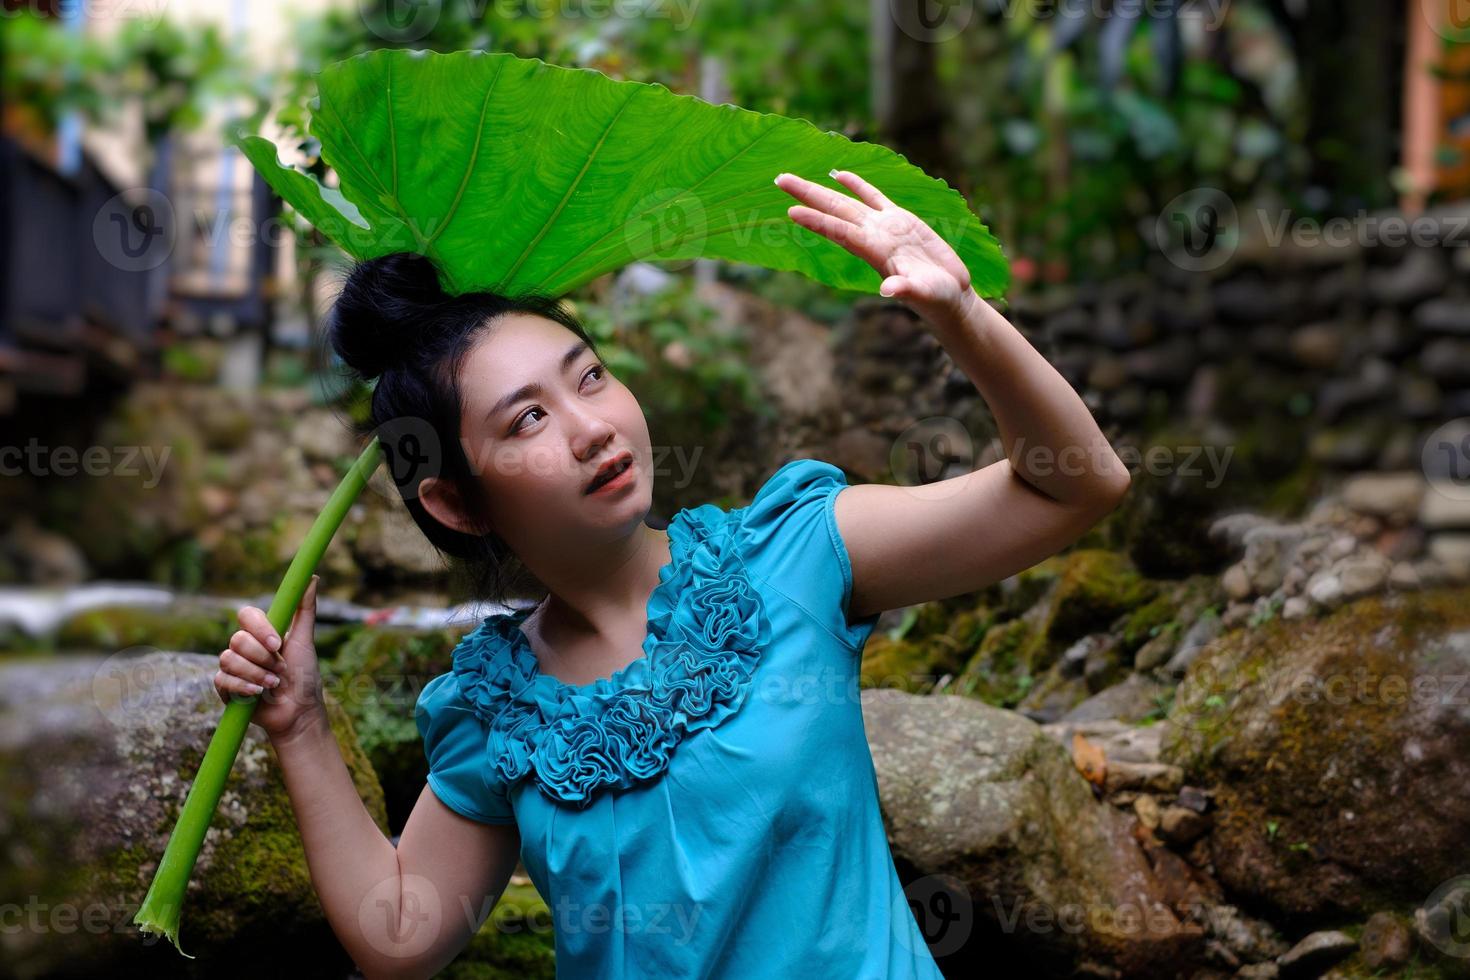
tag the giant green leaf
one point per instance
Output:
(513, 174)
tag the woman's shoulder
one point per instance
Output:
(791, 543)
(796, 482)
(453, 714)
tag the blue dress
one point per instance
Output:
(711, 809)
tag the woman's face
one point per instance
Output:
(536, 449)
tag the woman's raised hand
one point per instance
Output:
(918, 266)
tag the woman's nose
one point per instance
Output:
(591, 431)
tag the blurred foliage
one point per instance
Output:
(51, 71)
(807, 59)
(671, 348)
(174, 73)
(1071, 126)
(1080, 141)
(793, 291)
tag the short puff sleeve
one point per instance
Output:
(791, 542)
(455, 744)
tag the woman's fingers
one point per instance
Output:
(850, 237)
(869, 194)
(822, 198)
(303, 620)
(228, 684)
(247, 645)
(232, 663)
(253, 618)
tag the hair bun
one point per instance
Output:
(386, 307)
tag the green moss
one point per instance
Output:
(939, 640)
(516, 941)
(120, 521)
(1273, 810)
(246, 561)
(256, 877)
(178, 627)
(1289, 497)
(999, 672)
(1148, 621)
(1030, 585)
(897, 664)
(1094, 588)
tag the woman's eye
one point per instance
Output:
(520, 422)
(596, 369)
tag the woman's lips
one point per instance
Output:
(617, 481)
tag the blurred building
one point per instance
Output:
(114, 246)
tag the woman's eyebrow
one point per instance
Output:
(535, 387)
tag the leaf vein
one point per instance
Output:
(561, 205)
(474, 156)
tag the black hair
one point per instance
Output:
(394, 322)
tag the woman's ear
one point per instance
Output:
(441, 498)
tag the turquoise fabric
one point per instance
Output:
(710, 810)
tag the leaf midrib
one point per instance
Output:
(567, 196)
(663, 204)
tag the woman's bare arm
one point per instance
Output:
(1059, 477)
(399, 912)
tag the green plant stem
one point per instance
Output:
(160, 911)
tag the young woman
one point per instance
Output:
(672, 739)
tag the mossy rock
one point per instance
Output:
(935, 642)
(1172, 611)
(102, 754)
(999, 673)
(247, 561)
(1335, 756)
(123, 519)
(225, 422)
(1148, 621)
(986, 797)
(1092, 589)
(515, 943)
(1163, 522)
(186, 626)
(1027, 587)
(1051, 695)
(377, 676)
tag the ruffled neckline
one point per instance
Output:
(706, 624)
